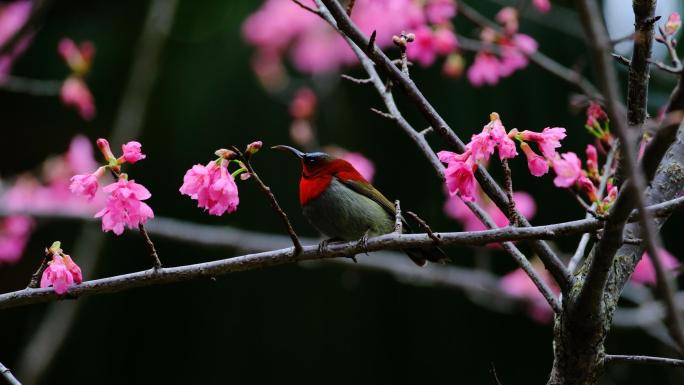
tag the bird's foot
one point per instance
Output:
(323, 245)
(363, 242)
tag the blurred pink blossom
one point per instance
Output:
(15, 231)
(75, 93)
(542, 6)
(125, 206)
(519, 285)
(362, 164)
(674, 22)
(644, 272)
(303, 104)
(423, 49)
(13, 16)
(440, 11)
(78, 57)
(484, 70)
(455, 208)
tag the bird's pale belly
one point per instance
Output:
(340, 212)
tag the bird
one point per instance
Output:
(343, 206)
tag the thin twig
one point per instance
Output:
(385, 115)
(35, 278)
(156, 263)
(621, 59)
(426, 131)
(616, 358)
(508, 187)
(7, 374)
(272, 200)
(423, 225)
(398, 221)
(356, 80)
(306, 7)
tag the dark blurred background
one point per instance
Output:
(325, 324)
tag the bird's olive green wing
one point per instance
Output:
(370, 192)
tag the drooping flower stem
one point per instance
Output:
(244, 158)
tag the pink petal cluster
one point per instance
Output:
(125, 206)
(84, 185)
(363, 165)
(459, 174)
(595, 115)
(49, 192)
(13, 16)
(644, 272)
(519, 285)
(75, 93)
(281, 28)
(14, 235)
(61, 273)
(568, 169)
(455, 208)
(132, 152)
(429, 43)
(212, 186)
(674, 22)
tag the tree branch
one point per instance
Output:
(7, 374)
(555, 266)
(612, 359)
(639, 70)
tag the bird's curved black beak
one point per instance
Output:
(289, 149)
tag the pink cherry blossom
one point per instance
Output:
(505, 145)
(548, 140)
(525, 43)
(592, 160)
(595, 114)
(74, 269)
(424, 48)
(459, 175)
(674, 22)
(484, 70)
(568, 169)
(57, 275)
(481, 145)
(440, 11)
(519, 285)
(455, 208)
(124, 206)
(644, 272)
(213, 187)
(132, 152)
(537, 164)
(75, 93)
(362, 164)
(84, 185)
(542, 6)
(14, 235)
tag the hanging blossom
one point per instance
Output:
(124, 206)
(213, 185)
(514, 48)
(518, 284)
(542, 6)
(74, 91)
(644, 272)
(48, 192)
(280, 29)
(62, 272)
(13, 16)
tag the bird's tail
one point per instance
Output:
(432, 253)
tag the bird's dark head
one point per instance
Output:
(313, 163)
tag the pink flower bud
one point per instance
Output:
(103, 145)
(592, 161)
(508, 17)
(542, 6)
(132, 152)
(537, 164)
(586, 185)
(57, 275)
(445, 40)
(254, 147)
(74, 269)
(77, 58)
(674, 21)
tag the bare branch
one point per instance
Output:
(398, 222)
(355, 80)
(36, 87)
(156, 263)
(7, 374)
(385, 115)
(613, 359)
(423, 225)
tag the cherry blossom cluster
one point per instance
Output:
(213, 185)
(75, 92)
(302, 133)
(61, 271)
(124, 206)
(513, 48)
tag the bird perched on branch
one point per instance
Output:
(342, 205)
